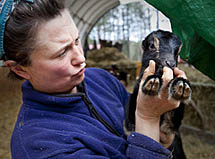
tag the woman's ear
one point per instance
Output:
(18, 69)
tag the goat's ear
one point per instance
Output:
(143, 45)
(156, 44)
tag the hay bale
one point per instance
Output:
(106, 57)
(204, 98)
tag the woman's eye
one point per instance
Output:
(63, 53)
(77, 41)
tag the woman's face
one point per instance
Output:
(58, 63)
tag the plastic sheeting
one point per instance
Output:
(194, 22)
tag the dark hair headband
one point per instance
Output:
(6, 7)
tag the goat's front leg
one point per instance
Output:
(152, 85)
(180, 89)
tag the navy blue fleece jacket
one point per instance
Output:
(85, 125)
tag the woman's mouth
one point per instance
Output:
(82, 70)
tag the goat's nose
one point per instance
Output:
(171, 64)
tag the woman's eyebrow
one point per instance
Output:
(69, 43)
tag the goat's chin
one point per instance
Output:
(166, 139)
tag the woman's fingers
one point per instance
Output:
(179, 73)
(167, 74)
(154, 106)
(150, 70)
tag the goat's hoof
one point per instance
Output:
(151, 85)
(180, 89)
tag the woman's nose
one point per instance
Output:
(78, 57)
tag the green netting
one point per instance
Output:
(194, 22)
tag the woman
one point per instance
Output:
(69, 111)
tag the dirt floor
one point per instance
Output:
(10, 99)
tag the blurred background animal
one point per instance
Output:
(163, 47)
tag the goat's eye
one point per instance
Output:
(151, 46)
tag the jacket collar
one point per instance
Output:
(36, 98)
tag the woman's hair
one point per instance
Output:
(22, 27)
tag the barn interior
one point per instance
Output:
(198, 128)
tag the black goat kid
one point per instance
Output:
(163, 47)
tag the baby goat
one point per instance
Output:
(163, 47)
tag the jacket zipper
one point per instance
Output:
(96, 115)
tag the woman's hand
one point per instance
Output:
(150, 108)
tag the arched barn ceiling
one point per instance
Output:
(86, 13)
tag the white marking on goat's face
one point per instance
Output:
(156, 44)
(156, 48)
